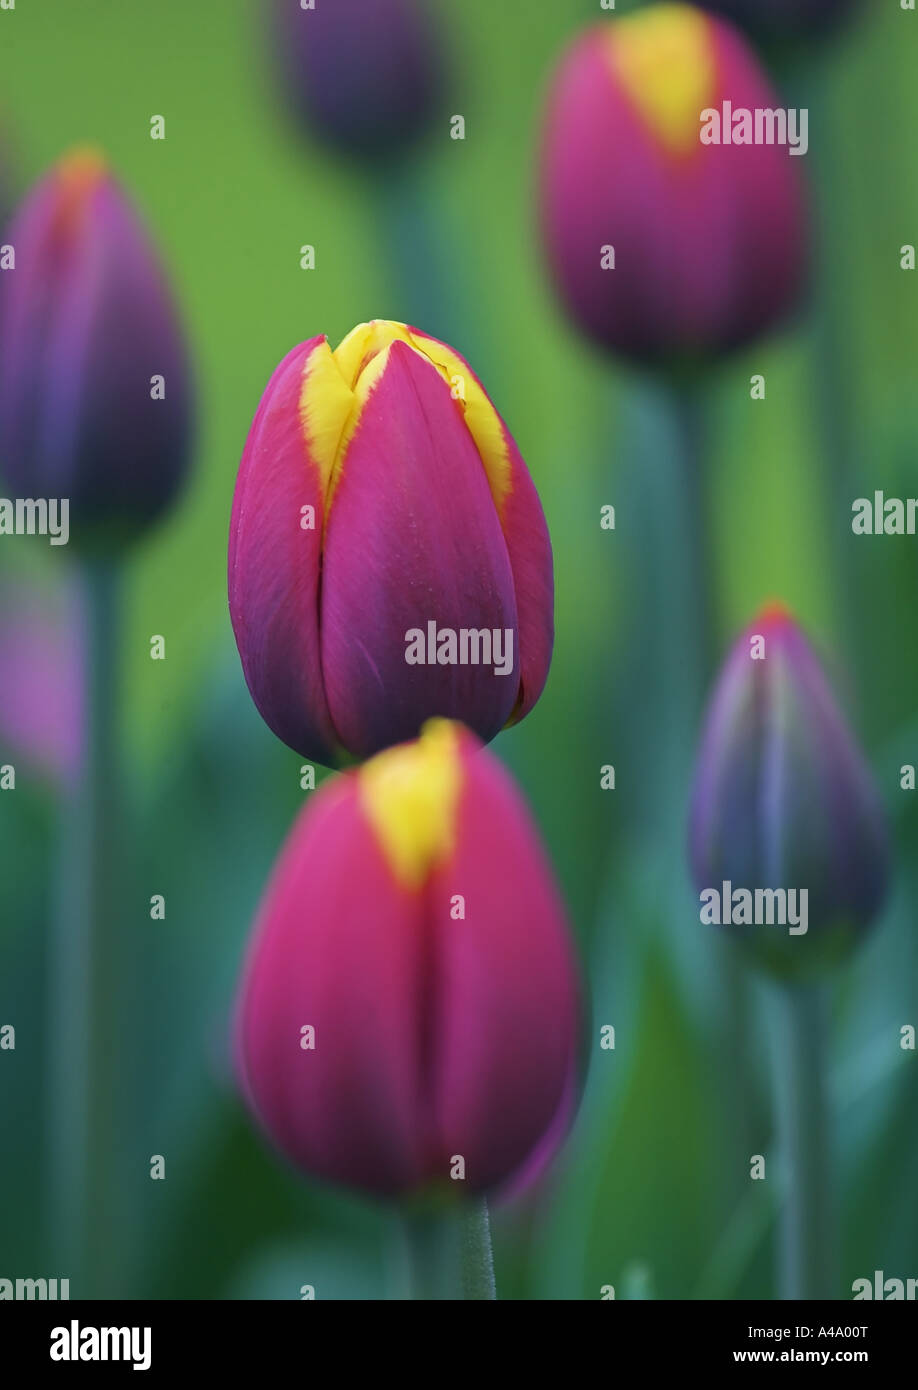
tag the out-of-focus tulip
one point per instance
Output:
(41, 678)
(410, 996)
(381, 506)
(664, 248)
(363, 75)
(785, 20)
(783, 798)
(94, 389)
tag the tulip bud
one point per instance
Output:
(665, 248)
(783, 799)
(408, 1012)
(784, 20)
(363, 74)
(389, 559)
(94, 394)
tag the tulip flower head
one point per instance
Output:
(666, 249)
(94, 391)
(363, 75)
(389, 560)
(407, 1020)
(783, 799)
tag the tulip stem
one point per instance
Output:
(420, 277)
(448, 1253)
(689, 412)
(477, 1253)
(85, 980)
(806, 1255)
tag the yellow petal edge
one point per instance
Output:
(410, 796)
(337, 384)
(664, 58)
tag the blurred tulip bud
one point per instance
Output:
(408, 1016)
(388, 559)
(94, 390)
(41, 677)
(363, 75)
(783, 799)
(664, 248)
(784, 20)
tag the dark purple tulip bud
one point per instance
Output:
(669, 240)
(94, 382)
(784, 20)
(784, 800)
(363, 75)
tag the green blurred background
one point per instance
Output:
(652, 1193)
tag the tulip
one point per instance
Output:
(663, 248)
(783, 797)
(409, 998)
(363, 74)
(41, 670)
(382, 503)
(94, 394)
(785, 19)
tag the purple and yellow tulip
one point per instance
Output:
(708, 239)
(379, 492)
(783, 797)
(410, 994)
(87, 329)
(362, 75)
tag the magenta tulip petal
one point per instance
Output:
(412, 538)
(505, 977)
(275, 566)
(341, 948)
(529, 548)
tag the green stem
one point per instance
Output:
(688, 407)
(477, 1254)
(85, 976)
(806, 1268)
(420, 289)
(448, 1253)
